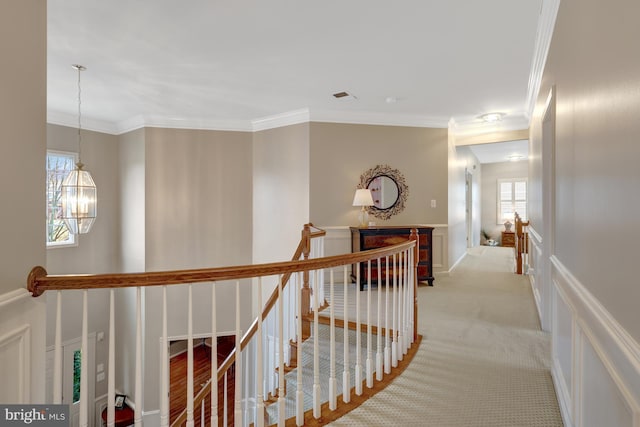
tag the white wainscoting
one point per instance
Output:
(596, 363)
(338, 242)
(22, 350)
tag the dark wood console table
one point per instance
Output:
(365, 238)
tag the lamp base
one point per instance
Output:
(363, 217)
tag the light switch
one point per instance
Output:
(100, 367)
(433, 203)
(100, 377)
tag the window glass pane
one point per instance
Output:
(58, 166)
(505, 191)
(521, 190)
(77, 361)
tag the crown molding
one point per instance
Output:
(546, 23)
(279, 120)
(375, 118)
(303, 115)
(71, 120)
(138, 122)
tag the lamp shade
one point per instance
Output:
(363, 197)
(79, 200)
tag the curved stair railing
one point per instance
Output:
(294, 337)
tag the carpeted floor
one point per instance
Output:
(483, 361)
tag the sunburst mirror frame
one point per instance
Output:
(398, 178)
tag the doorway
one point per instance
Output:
(71, 366)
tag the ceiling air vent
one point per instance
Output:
(343, 94)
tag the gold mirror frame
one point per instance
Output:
(398, 179)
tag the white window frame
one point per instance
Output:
(499, 219)
(72, 241)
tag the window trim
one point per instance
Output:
(74, 240)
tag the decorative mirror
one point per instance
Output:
(388, 189)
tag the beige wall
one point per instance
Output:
(198, 192)
(23, 139)
(596, 74)
(585, 273)
(23, 44)
(339, 153)
(280, 193)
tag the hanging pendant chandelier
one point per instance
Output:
(78, 191)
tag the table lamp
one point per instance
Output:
(363, 198)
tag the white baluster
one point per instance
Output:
(394, 337)
(400, 345)
(57, 353)
(387, 331)
(412, 297)
(407, 292)
(333, 396)
(214, 358)
(358, 367)
(346, 374)
(111, 364)
(137, 417)
(316, 355)
(299, 392)
(202, 423)
(237, 420)
(369, 362)
(379, 323)
(84, 372)
(225, 416)
(281, 398)
(190, 357)
(164, 365)
(259, 361)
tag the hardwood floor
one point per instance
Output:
(202, 373)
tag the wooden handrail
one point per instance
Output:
(39, 281)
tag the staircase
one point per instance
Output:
(334, 371)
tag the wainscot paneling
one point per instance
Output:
(604, 371)
(22, 351)
(15, 355)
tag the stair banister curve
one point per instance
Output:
(307, 290)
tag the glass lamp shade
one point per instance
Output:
(79, 200)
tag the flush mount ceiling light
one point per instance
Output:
(492, 117)
(78, 191)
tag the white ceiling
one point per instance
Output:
(238, 64)
(501, 151)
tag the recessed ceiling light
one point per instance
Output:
(391, 100)
(515, 157)
(492, 117)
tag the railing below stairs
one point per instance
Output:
(287, 363)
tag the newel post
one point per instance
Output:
(414, 237)
(306, 290)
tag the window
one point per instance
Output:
(58, 166)
(512, 197)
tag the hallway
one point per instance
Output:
(483, 360)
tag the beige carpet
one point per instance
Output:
(483, 361)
